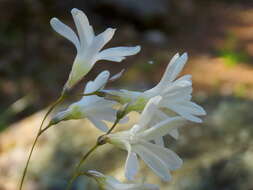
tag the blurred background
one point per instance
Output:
(35, 62)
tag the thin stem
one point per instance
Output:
(113, 126)
(44, 129)
(76, 172)
(120, 114)
(40, 131)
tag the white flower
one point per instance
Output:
(176, 93)
(137, 142)
(94, 108)
(110, 183)
(89, 46)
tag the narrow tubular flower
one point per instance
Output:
(110, 183)
(94, 108)
(175, 92)
(137, 141)
(89, 46)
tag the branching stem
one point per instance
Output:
(99, 143)
(40, 131)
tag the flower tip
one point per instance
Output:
(105, 73)
(185, 55)
(75, 11)
(137, 49)
(104, 76)
(54, 20)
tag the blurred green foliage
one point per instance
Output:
(230, 52)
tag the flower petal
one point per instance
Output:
(85, 31)
(98, 43)
(132, 165)
(185, 113)
(117, 53)
(153, 161)
(192, 108)
(65, 31)
(172, 160)
(162, 128)
(148, 112)
(100, 81)
(174, 68)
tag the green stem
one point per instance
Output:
(120, 114)
(40, 131)
(76, 172)
(44, 129)
(113, 126)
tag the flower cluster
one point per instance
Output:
(163, 109)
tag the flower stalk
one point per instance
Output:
(40, 131)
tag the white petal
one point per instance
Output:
(153, 161)
(65, 31)
(163, 128)
(148, 112)
(93, 86)
(118, 53)
(98, 43)
(172, 160)
(174, 68)
(184, 113)
(173, 132)
(85, 100)
(84, 29)
(101, 80)
(132, 165)
(193, 108)
(98, 124)
(184, 78)
(177, 92)
(114, 59)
